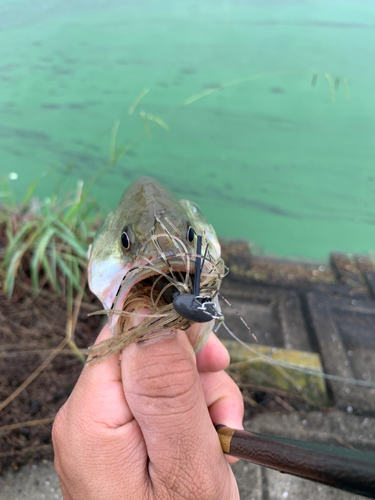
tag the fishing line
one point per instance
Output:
(336, 378)
(173, 238)
(239, 315)
(154, 237)
(125, 313)
(204, 257)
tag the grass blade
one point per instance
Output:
(121, 151)
(51, 276)
(159, 121)
(70, 278)
(22, 232)
(70, 239)
(12, 270)
(29, 193)
(112, 142)
(52, 254)
(38, 253)
(16, 241)
(146, 124)
(7, 195)
(137, 100)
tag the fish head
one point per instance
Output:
(149, 231)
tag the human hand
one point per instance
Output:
(144, 430)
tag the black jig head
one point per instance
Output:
(196, 308)
(192, 306)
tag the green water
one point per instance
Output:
(270, 158)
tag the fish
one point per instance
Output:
(143, 256)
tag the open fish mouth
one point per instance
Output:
(153, 285)
(156, 284)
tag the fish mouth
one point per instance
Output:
(154, 285)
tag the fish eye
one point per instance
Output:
(190, 234)
(125, 240)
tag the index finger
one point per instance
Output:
(214, 357)
(100, 392)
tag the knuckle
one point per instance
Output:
(58, 427)
(231, 388)
(166, 376)
(237, 395)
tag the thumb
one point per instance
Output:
(163, 391)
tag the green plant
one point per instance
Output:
(48, 239)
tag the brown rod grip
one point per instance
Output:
(344, 469)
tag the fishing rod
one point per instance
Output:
(345, 469)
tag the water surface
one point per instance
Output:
(271, 158)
